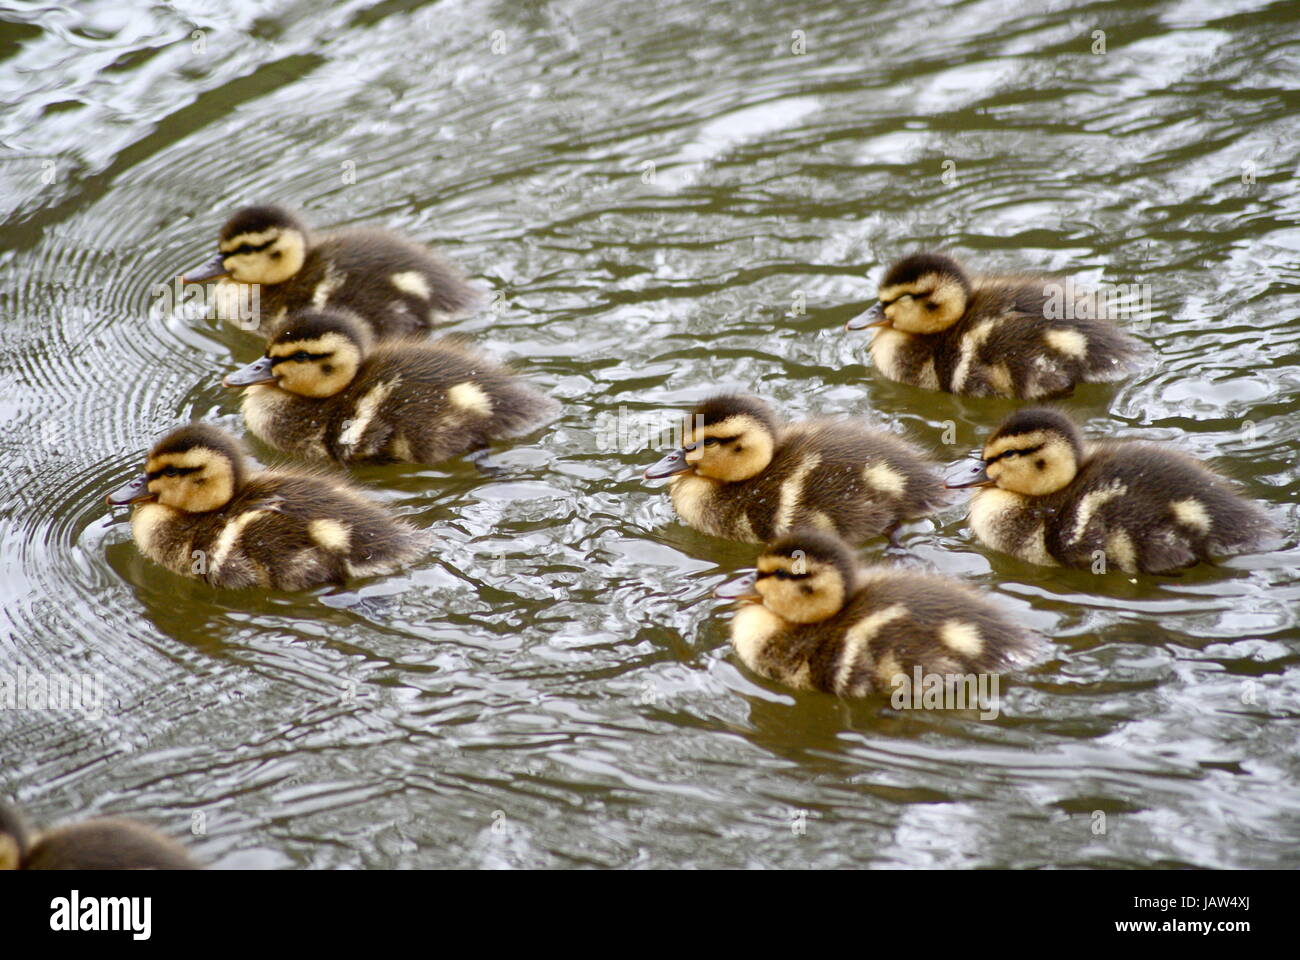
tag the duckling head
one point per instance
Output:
(15, 838)
(923, 293)
(803, 577)
(728, 438)
(1034, 452)
(315, 353)
(195, 469)
(257, 245)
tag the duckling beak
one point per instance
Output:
(739, 589)
(969, 474)
(873, 317)
(135, 491)
(259, 371)
(212, 269)
(673, 463)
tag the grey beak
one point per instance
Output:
(969, 474)
(259, 371)
(741, 588)
(210, 269)
(132, 491)
(671, 464)
(873, 317)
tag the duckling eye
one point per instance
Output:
(171, 472)
(302, 356)
(711, 441)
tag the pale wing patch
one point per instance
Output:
(1072, 343)
(331, 282)
(888, 669)
(884, 477)
(229, 538)
(1192, 513)
(330, 534)
(962, 637)
(999, 378)
(470, 396)
(365, 411)
(854, 651)
(400, 448)
(970, 345)
(1090, 503)
(411, 282)
(792, 491)
(1119, 547)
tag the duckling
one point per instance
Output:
(744, 475)
(1051, 499)
(202, 514)
(814, 619)
(987, 336)
(104, 844)
(397, 287)
(323, 391)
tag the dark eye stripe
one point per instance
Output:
(176, 472)
(784, 575)
(249, 248)
(301, 359)
(1024, 453)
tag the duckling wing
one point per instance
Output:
(1152, 509)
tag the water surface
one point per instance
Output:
(661, 198)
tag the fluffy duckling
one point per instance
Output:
(93, 845)
(202, 514)
(395, 286)
(1050, 498)
(322, 391)
(983, 336)
(813, 619)
(744, 475)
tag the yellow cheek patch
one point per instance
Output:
(470, 396)
(330, 534)
(962, 637)
(412, 283)
(1192, 513)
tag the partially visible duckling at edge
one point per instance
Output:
(814, 619)
(981, 336)
(743, 474)
(322, 391)
(397, 287)
(103, 844)
(1049, 498)
(201, 513)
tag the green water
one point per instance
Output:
(553, 686)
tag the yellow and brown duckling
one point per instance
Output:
(397, 287)
(323, 391)
(103, 844)
(941, 329)
(744, 475)
(1049, 498)
(202, 513)
(811, 617)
